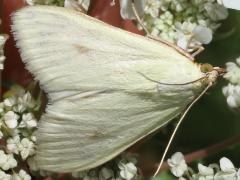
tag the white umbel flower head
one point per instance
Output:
(232, 90)
(22, 175)
(9, 102)
(192, 35)
(232, 93)
(228, 171)
(7, 161)
(215, 11)
(177, 164)
(205, 173)
(128, 170)
(27, 148)
(152, 7)
(11, 119)
(28, 121)
(13, 144)
(5, 176)
(233, 72)
(202, 34)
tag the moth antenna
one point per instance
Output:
(170, 83)
(138, 18)
(177, 126)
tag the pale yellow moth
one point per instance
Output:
(102, 85)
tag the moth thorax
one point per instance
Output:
(205, 68)
(212, 76)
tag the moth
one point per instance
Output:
(107, 88)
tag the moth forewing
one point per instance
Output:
(79, 56)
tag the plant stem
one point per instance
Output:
(202, 153)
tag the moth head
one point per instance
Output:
(212, 73)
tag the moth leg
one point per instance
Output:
(139, 19)
(199, 49)
(145, 28)
(180, 50)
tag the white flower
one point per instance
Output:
(215, 11)
(232, 90)
(11, 119)
(232, 93)
(126, 8)
(3, 158)
(202, 34)
(232, 4)
(184, 32)
(13, 144)
(7, 161)
(205, 173)
(226, 165)
(177, 164)
(228, 171)
(5, 176)
(128, 170)
(28, 121)
(106, 173)
(27, 148)
(9, 102)
(22, 175)
(19, 108)
(233, 72)
(152, 7)
(26, 101)
(10, 162)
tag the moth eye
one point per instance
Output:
(206, 68)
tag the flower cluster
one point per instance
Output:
(17, 127)
(224, 171)
(188, 24)
(123, 169)
(232, 90)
